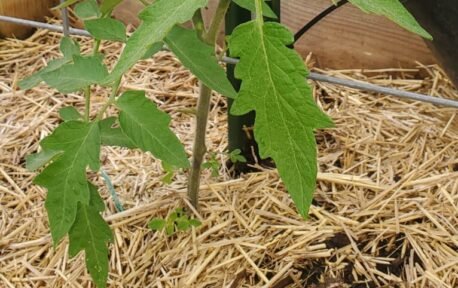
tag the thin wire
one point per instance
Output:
(312, 76)
(317, 19)
(65, 21)
(41, 25)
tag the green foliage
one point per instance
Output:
(200, 59)
(69, 49)
(274, 86)
(170, 172)
(88, 9)
(250, 5)
(148, 128)
(106, 29)
(40, 159)
(212, 164)
(176, 221)
(65, 177)
(90, 233)
(84, 71)
(236, 157)
(112, 135)
(69, 114)
(158, 19)
(108, 5)
(395, 11)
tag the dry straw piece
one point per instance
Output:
(384, 214)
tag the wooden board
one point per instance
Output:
(348, 38)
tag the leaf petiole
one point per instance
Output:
(87, 96)
(111, 100)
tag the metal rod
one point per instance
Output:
(42, 25)
(65, 21)
(372, 87)
(312, 76)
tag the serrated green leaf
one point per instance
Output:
(106, 29)
(158, 19)
(156, 224)
(200, 59)
(274, 85)
(95, 201)
(90, 233)
(395, 11)
(148, 128)
(65, 177)
(153, 49)
(36, 161)
(108, 5)
(69, 114)
(87, 9)
(250, 5)
(113, 136)
(68, 47)
(73, 77)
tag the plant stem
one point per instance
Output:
(199, 148)
(203, 104)
(87, 96)
(218, 18)
(111, 100)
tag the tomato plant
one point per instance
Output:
(273, 85)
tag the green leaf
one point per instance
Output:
(195, 222)
(68, 47)
(69, 114)
(200, 59)
(113, 136)
(108, 5)
(167, 178)
(153, 49)
(65, 177)
(395, 11)
(170, 228)
(250, 5)
(182, 223)
(236, 157)
(91, 233)
(106, 29)
(156, 224)
(95, 201)
(73, 77)
(274, 85)
(158, 19)
(36, 161)
(148, 128)
(88, 9)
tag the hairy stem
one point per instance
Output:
(87, 97)
(203, 104)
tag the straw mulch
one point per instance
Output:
(384, 214)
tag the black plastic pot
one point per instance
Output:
(440, 19)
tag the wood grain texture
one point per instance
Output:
(348, 38)
(26, 9)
